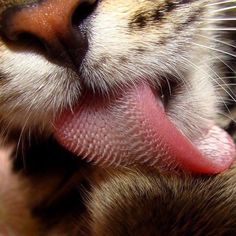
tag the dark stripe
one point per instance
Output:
(141, 19)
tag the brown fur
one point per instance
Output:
(46, 191)
(130, 202)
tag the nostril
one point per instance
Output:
(56, 27)
(10, 33)
(26, 42)
(29, 40)
(82, 12)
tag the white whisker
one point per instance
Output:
(217, 40)
(224, 9)
(230, 116)
(227, 90)
(214, 49)
(228, 100)
(223, 19)
(219, 29)
(220, 3)
(230, 92)
(229, 84)
(218, 84)
(229, 77)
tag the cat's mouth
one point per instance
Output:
(132, 127)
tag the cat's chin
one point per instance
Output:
(132, 127)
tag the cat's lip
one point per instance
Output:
(133, 128)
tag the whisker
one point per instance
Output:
(220, 3)
(229, 84)
(223, 19)
(229, 77)
(227, 65)
(228, 100)
(219, 85)
(21, 139)
(228, 116)
(228, 90)
(219, 29)
(217, 40)
(180, 76)
(224, 9)
(214, 49)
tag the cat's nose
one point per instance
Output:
(56, 23)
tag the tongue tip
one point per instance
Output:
(214, 166)
(225, 165)
(210, 169)
(212, 153)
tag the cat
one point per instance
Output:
(109, 106)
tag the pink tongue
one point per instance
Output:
(132, 128)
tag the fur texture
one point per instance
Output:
(119, 54)
(75, 199)
(179, 49)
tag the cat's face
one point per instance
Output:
(110, 59)
(128, 41)
(54, 52)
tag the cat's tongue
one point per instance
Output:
(132, 128)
